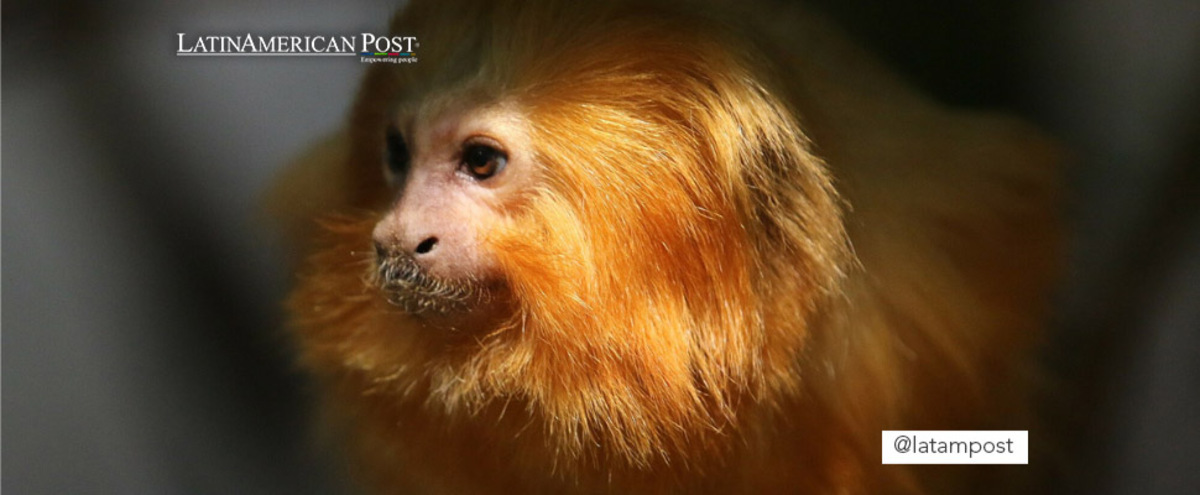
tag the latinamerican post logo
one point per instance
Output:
(370, 48)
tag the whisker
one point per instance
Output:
(411, 288)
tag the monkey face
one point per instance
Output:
(453, 170)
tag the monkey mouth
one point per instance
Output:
(409, 286)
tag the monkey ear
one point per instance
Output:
(312, 185)
(794, 206)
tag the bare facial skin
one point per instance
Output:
(456, 170)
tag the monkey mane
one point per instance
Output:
(663, 271)
(658, 282)
(681, 278)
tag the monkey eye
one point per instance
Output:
(482, 161)
(397, 157)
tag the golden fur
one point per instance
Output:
(746, 256)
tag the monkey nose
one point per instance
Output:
(384, 250)
(426, 246)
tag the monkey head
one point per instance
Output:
(607, 215)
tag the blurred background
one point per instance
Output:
(141, 342)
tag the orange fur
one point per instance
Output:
(700, 303)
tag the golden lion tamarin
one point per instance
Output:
(656, 247)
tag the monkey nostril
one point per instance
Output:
(426, 245)
(380, 251)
